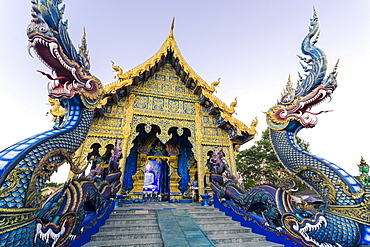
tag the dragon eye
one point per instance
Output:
(43, 29)
(30, 28)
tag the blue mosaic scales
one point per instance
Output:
(343, 220)
(27, 165)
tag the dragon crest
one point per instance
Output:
(48, 36)
(293, 109)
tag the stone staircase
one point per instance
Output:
(224, 232)
(137, 225)
(128, 227)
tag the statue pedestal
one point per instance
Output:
(205, 200)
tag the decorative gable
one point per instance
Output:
(168, 65)
(164, 95)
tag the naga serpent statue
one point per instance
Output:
(344, 218)
(26, 166)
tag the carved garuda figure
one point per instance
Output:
(27, 165)
(344, 218)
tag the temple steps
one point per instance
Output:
(127, 243)
(140, 225)
(224, 232)
(128, 227)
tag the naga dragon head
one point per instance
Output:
(48, 36)
(292, 111)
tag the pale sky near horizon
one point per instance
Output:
(251, 45)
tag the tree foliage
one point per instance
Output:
(53, 184)
(260, 165)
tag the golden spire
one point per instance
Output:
(172, 25)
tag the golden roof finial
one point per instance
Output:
(172, 25)
(234, 103)
(214, 85)
(253, 126)
(118, 70)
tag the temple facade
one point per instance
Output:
(167, 122)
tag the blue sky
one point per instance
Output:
(251, 45)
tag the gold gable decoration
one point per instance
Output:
(126, 79)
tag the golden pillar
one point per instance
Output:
(137, 190)
(173, 164)
(232, 159)
(198, 147)
(126, 131)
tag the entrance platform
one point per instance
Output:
(177, 227)
(174, 225)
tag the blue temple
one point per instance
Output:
(158, 133)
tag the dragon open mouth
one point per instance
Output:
(68, 79)
(310, 227)
(301, 109)
(302, 229)
(49, 234)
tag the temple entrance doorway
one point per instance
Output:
(160, 169)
